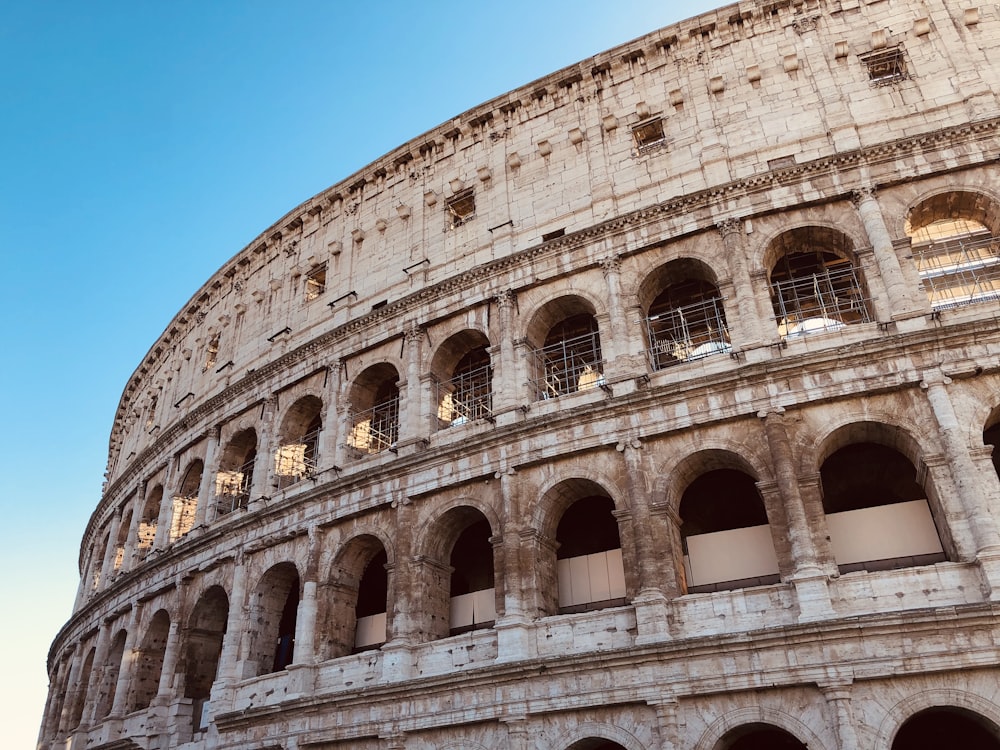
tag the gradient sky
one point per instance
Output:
(142, 144)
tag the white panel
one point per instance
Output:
(731, 555)
(371, 630)
(597, 573)
(616, 573)
(565, 584)
(484, 607)
(885, 532)
(461, 610)
(579, 574)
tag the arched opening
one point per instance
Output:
(108, 687)
(464, 376)
(725, 533)
(148, 662)
(953, 237)
(148, 521)
(235, 475)
(273, 612)
(595, 743)
(80, 691)
(202, 649)
(947, 726)
(186, 501)
(567, 348)
(815, 284)
(297, 456)
(685, 319)
(375, 410)
(473, 595)
(876, 511)
(356, 602)
(589, 566)
(759, 736)
(123, 530)
(991, 437)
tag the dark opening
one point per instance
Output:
(942, 727)
(472, 560)
(285, 648)
(374, 587)
(586, 527)
(760, 737)
(867, 475)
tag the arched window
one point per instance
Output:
(370, 611)
(97, 560)
(953, 237)
(375, 410)
(109, 680)
(235, 475)
(876, 511)
(123, 530)
(148, 521)
(80, 691)
(185, 504)
(273, 613)
(473, 596)
(464, 378)
(202, 649)
(589, 565)
(354, 610)
(725, 533)
(815, 285)
(947, 726)
(148, 662)
(685, 319)
(759, 736)
(567, 354)
(296, 457)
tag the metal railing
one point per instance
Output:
(960, 270)
(232, 489)
(294, 462)
(568, 366)
(687, 333)
(376, 429)
(466, 397)
(825, 301)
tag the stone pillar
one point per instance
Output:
(111, 550)
(985, 536)
(92, 688)
(120, 705)
(751, 310)
(305, 618)
(264, 462)
(901, 303)
(809, 580)
(162, 538)
(657, 576)
(515, 640)
(400, 625)
(71, 691)
(234, 627)
(343, 415)
(132, 540)
(330, 436)
(410, 427)
(617, 347)
(171, 656)
(505, 381)
(667, 721)
(838, 697)
(517, 732)
(206, 490)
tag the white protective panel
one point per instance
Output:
(882, 533)
(371, 630)
(731, 555)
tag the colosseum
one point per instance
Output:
(650, 406)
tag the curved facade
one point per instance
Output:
(651, 405)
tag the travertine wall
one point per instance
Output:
(777, 136)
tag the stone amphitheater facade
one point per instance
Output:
(650, 405)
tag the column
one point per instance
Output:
(808, 578)
(111, 550)
(514, 638)
(750, 310)
(617, 347)
(901, 301)
(92, 688)
(234, 627)
(985, 536)
(343, 415)
(259, 485)
(667, 721)
(400, 625)
(162, 538)
(132, 540)
(305, 618)
(330, 436)
(410, 427)
(171, 655)
(120, 705)
(517, 732)
(505, 383)
(206, 490)
(839, 699)
(70, 684)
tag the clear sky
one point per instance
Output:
(142, 144)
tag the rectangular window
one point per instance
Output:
(461, 207)
(885, 66)
(315, 283)
(648, 135)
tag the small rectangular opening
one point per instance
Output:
(885, 66)
(554, 234)
(649, 134)
(461, 207)
(379, 305)
(315, 283)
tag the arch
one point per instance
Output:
(815, 282)
(731, 721)
(80, 690)
(947, 726)
(877, 508)
(185, 502)
(203, 636)
(357, 601)
(759, 736)
(566, 347)
(235, 475)
(108, 687)
(148, 521)
(684, 312)
(991, 436)
(969, 703)
(148, 662)
(591, 735)
(953, 237)
(272, 616)
(374, 403)
(463, 373)
(297, 456)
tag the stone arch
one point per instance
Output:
(148, 521)
(734, 719)
(297, 455)
(233, 482)
(202, 647)
(462, 369)
(911, 705)
(966, 203)
(185, 501)
(373, 398)
(578, 737)
(79, 695)
(272, 615)
(352, 619)
(107, 687)
(565, 340)
(147, 662)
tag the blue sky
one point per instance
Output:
(141, 146)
